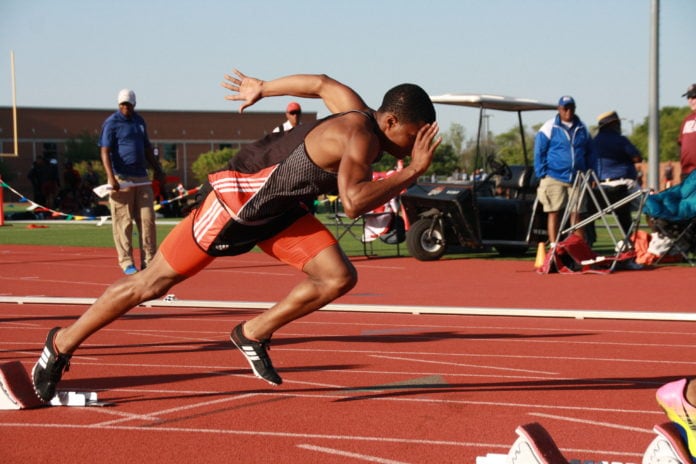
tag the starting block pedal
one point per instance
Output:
(534, 445)
(668, 447)
(17, 391)
(16, 388)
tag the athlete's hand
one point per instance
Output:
(248, 89)
(424, 147)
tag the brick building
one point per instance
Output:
(179, 136)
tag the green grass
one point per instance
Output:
(87, 233)
(63, 233)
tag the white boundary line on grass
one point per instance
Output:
(458, 310)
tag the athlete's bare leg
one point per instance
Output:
(118, 299)
(329, 275)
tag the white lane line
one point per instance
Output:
(397, 358)
(591, 422)
(303, 436)
(155, 415)
(459, 310)
(362, 457)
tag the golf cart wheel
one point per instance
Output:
(424, 243)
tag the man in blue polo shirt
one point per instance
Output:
(125, 150)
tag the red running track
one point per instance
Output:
(359, 387)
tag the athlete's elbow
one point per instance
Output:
(352, 213)
(350, 209)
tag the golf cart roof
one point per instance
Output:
(494, 102)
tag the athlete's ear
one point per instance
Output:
(391, 120)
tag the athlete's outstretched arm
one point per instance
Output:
(336, 96)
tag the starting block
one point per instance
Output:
(534, 445)
(16, 388)
(17, 391)
(668, 447)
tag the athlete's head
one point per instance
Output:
(404, 110)
(409, 103)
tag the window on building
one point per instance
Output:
(168, 152)
(50, 150)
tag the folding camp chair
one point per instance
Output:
(362, 229)
(604, 208)
(682, 235)
(672, 214)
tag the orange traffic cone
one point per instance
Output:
(540, 256)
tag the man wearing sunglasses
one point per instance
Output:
(294, 113)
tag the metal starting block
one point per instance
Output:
(668, 447)
(534, 445)
(17, 391)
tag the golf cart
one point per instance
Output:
(497, 210)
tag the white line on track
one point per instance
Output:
(347, 454)
(304, 436)
(591, 422)
(378, 308)
(257, 433)
(493, 355)
(155, 414)
(427, 361)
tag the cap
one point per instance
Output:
(126, 96)
(293, 106)
(607, 118)
(566, 100)
(690, 92)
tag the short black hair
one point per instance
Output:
(409, 103)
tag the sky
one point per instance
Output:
(80, 53)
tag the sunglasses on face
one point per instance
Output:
(295, 112)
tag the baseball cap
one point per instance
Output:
(566, 100)
(607, 118)
(126, 96)
(690, 92)
(293, 106)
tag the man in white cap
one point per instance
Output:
(125, 151)
(294, 113)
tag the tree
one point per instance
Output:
(670, 122)
(508, 146)
(82, 148)
(211, 161)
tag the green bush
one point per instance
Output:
(211, 161)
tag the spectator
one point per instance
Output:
(293, 113)
(669, 174)
(68, 200)
(34, 176)
(562, 149)
(687, 135)
(90, 179)
(616, 158)
(50, 181)
(125, 150)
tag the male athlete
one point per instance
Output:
(261, 199)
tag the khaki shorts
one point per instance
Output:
(554, 194)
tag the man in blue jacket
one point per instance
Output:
(562, 149)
